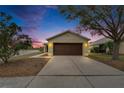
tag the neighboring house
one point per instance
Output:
(103, 41)
(68, 43)
(99, 42)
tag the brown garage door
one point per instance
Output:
(67, 49)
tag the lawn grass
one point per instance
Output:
(107, 59)
(100, 57)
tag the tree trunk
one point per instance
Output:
(6, 61)
(116, 47)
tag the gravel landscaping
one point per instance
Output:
(23, 67)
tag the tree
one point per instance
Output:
(102, 20)
(10, 34)
(24, 42)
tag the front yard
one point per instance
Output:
(106, 59)
(23, 65)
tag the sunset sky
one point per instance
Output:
(41, 22)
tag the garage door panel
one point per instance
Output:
(67, 49)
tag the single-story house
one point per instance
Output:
(105, 40)
(68, 43)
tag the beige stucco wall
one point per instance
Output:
(121, 50)
(68, 38)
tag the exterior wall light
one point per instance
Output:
(85, 45)
(50, 45)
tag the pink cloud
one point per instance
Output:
(37, 45)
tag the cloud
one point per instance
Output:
(36, 41)
(30, 17)
(37, 44)
(30, 28)
(30, 14)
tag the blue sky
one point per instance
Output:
(41, 22)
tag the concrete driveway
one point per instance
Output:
(77, 71)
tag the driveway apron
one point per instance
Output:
(78, 72)
(60, 65)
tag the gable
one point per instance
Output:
(67, 37)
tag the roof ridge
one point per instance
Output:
(67, 32)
